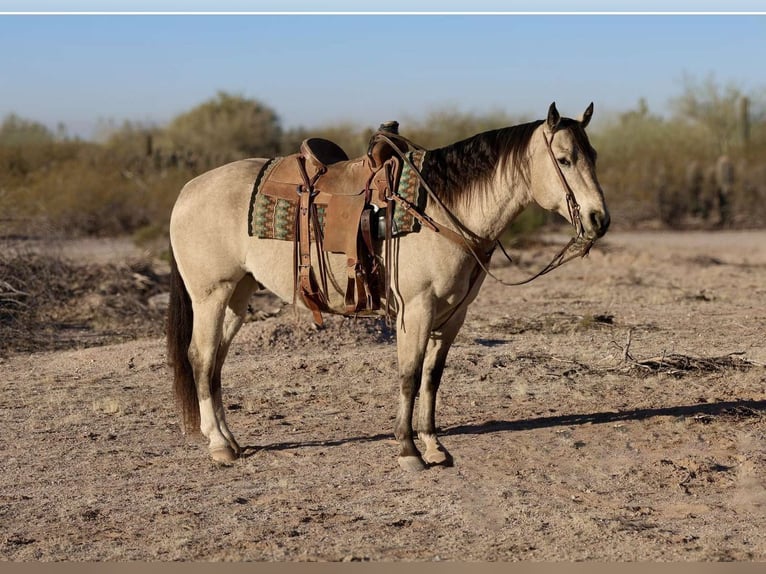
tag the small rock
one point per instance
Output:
(159, 302)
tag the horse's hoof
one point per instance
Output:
(412, 463)
(224, 455)
(438, 457)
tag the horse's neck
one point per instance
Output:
(492, 206)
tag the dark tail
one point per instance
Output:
(179, 334)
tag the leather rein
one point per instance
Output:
(481, 249)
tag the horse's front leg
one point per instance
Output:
(438, 346)
(413, 328)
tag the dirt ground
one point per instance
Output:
(613, 410)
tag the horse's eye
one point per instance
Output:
(565, 162)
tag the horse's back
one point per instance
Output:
(230, 184)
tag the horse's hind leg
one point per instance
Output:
(234, 316)
(433, 366)
(204, 350)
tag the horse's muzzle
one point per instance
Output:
(598, 223)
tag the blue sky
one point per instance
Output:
(320, 69)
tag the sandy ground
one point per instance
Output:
(612, 410)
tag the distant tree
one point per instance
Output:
(350, 137)
(636, 135)
(227, 126)
(722, 110)
(447, 125)
(635, 150)
(128, 139)
(16, 131)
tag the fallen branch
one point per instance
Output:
(10, 296)
(676, 364)
(8, 289)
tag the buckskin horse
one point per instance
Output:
(475, 188)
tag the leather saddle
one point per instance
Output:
(335, 198)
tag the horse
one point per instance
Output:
(479, 185)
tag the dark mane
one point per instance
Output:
(453, 169)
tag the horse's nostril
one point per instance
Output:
(600, 221)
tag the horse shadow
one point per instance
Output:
(741, 408)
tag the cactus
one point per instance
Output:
(669, 204)
(724, 175)
(744, 120)
(694, 182)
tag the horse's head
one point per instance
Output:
(563, 173)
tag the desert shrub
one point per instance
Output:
(352, 138)
(653, 168)
(47, 302)
(448, 125)
(698, 167)
(228, 126)
(82, 189)
(16, 131)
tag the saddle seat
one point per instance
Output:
(329, 171)
(322, 151)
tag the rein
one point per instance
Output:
(470, 242)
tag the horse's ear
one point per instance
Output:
(587, 115)
(553, 117)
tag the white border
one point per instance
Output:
(283, 13)
(390, 7)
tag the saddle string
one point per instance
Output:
(319, 239)
(559, 259)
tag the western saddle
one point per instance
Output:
(343, 206)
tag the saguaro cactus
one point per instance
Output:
(724, 175)
(694, 182)
(744, 120)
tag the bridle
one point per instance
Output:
(572, 206)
